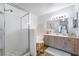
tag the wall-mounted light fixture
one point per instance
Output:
(75, 21)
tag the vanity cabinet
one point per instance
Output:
(76, 46)
(67, 44)
(58, 42)
(46, 40)
(51, 41)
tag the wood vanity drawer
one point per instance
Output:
(51, 41)
(46, 40)
(69, 45)
(58, 42)
(76, 46)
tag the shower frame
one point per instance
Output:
(3, 51)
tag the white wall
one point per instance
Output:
(33, 37)
(70, 11)
(33, 33)
(33, 21)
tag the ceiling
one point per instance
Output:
(42, 8)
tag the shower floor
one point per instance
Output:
(1, 52)
(15, 53)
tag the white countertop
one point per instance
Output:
(61, 35)
(57, 35)
(40, 41)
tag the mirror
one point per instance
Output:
(58, 25)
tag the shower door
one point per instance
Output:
(1, 29)
(25, 33)
(16, 31)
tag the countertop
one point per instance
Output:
(60, 35)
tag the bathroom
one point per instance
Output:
(38, 29)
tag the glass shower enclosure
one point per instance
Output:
(14, 30)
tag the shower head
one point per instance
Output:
(8, 10)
